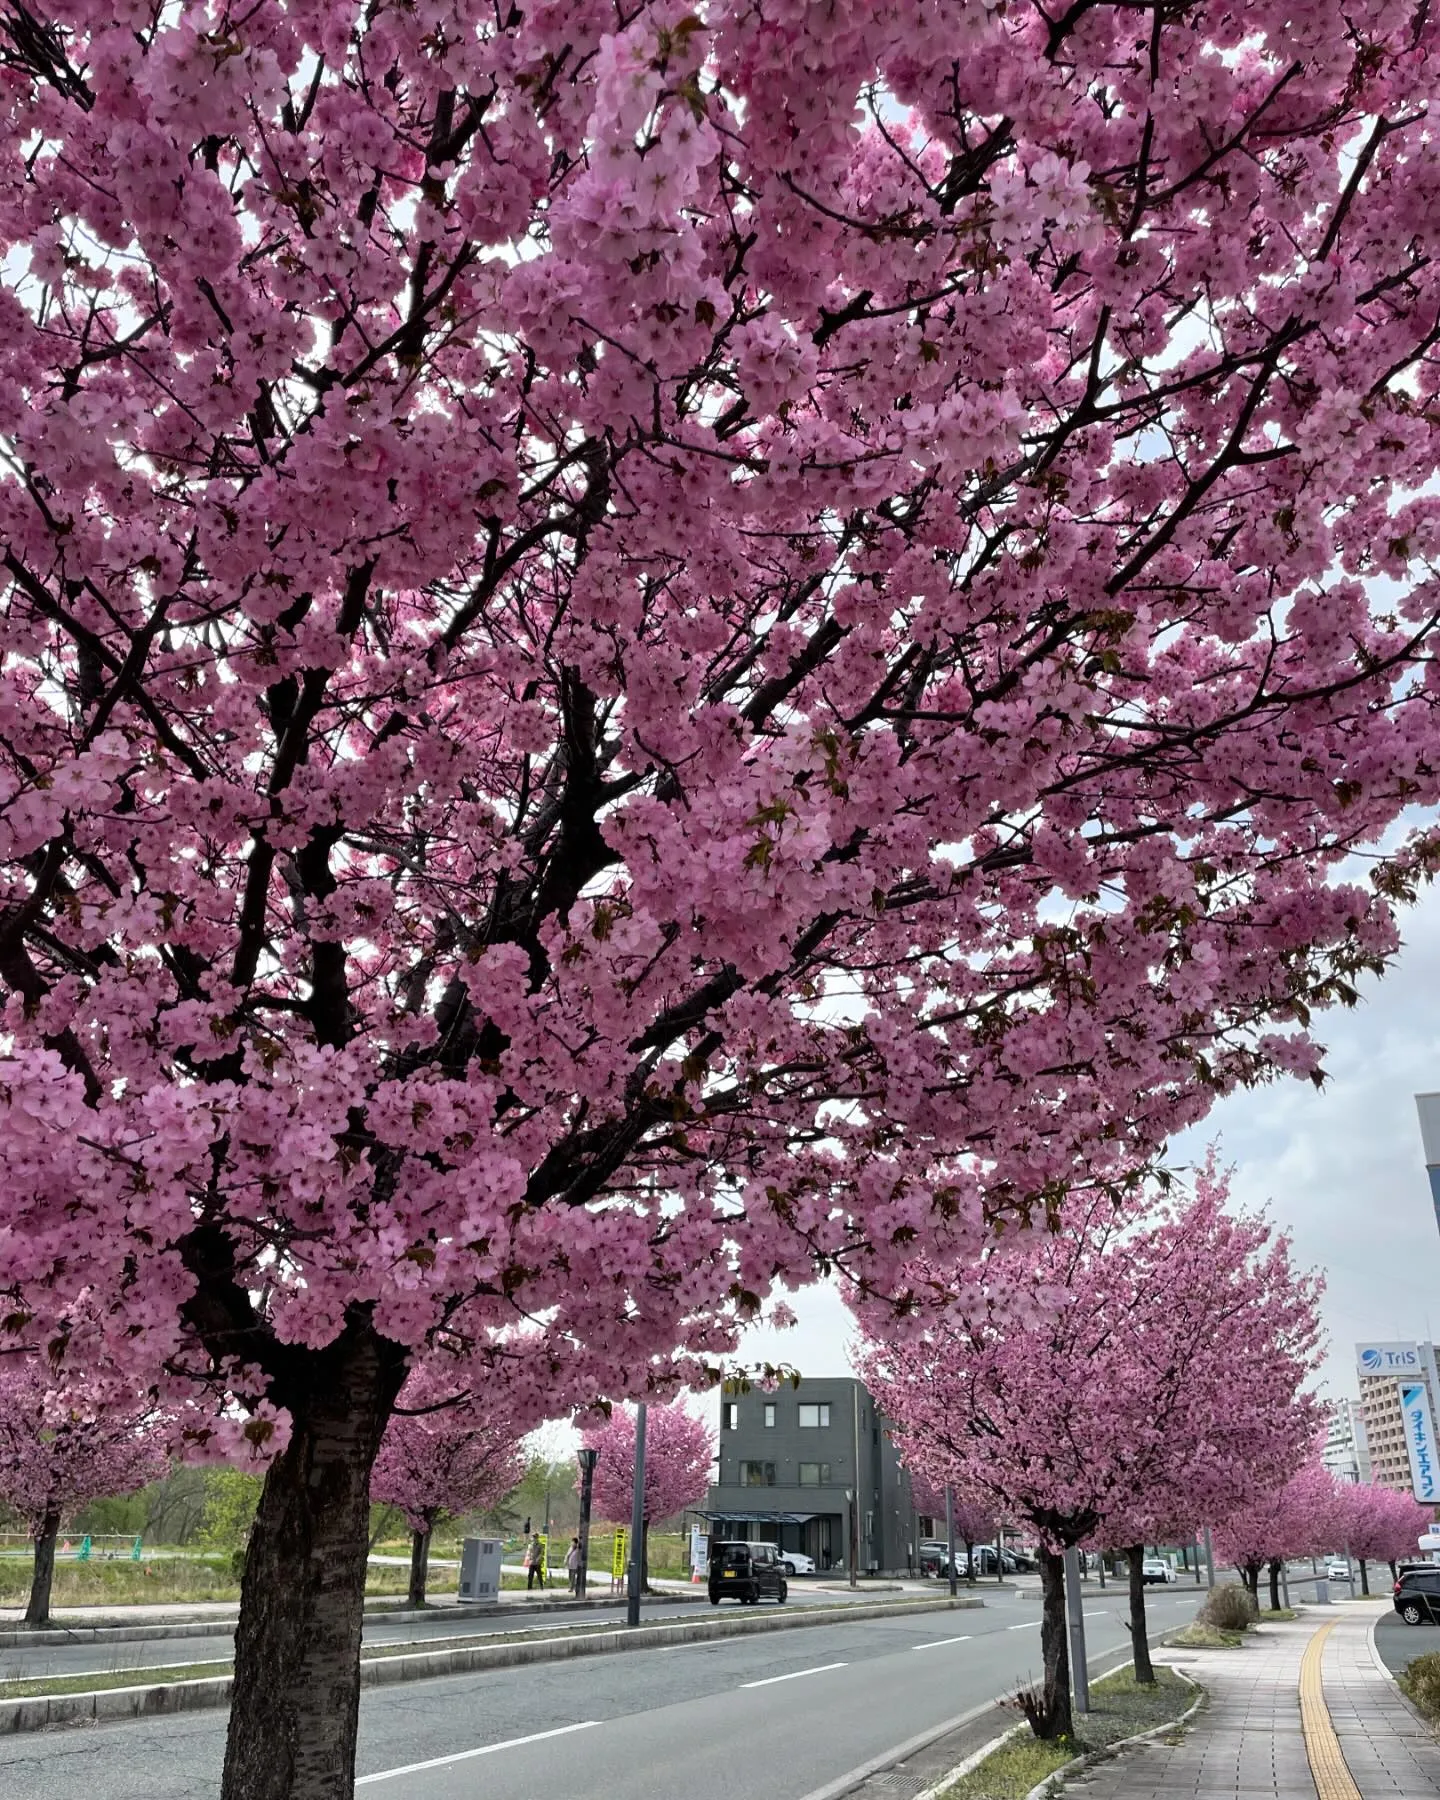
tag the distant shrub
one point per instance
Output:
(1421, 1681)
(1229, 1608)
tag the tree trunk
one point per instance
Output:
(419, 1564)
(1394, 1572)
(969, 1562)
(1139, 1625)
(1274, 1584)
(38, 1611)
(296, 1697)
(1049, 1711)
(1250, 1574)
(1364, 1577)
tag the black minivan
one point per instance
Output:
(746, 1571)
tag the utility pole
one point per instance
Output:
(1075, 1612)
(855, 1491)
(587, 1460)
(950, 1538)
(637, 1519)
(1209, 1560)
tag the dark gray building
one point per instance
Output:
(804, 1467)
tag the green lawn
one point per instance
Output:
(168, 1580)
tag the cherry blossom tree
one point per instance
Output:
(62, 1445)
(646, 650)
(1304, 1517)
(679, 1461)
(445, 1451)
(974, 1519)
(1083, 1378)
(1378, 1524)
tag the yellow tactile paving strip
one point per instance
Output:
(1333, 1780)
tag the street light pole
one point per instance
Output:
(637, 1518)
(950, 1538)
(587, 1460)
(1209, 1560)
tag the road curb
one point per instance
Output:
(23, 1638)
(46, 1710)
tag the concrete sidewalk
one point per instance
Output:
(1302, 1710)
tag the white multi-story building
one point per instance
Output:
(1345, 1454)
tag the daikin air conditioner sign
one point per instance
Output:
(1420, 1440)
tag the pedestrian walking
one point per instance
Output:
(572, 1564)
(534, 1563)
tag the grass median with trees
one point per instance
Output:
(1121, 1708)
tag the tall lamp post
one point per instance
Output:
(587, 1460)
(637, 1520)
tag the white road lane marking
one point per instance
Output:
(936, 1643)
(1029, 1625)
(795, 1675)
(440, 1762)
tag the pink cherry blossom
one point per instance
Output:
(679, 1463)
(1105, 1382)
(644, 653)
(447, 1450)
(64, 1443)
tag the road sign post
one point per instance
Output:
(1075, 1612)
(950, 1538)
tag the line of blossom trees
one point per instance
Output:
(649, 651)
(1314, 1514)
(1114, 1381)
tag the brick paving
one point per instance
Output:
(1247, 1743)
(1390, 1752)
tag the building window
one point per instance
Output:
(814, 1474)
(731, 1415)
(814, 1417)
(769, 1416)
(757, 1474)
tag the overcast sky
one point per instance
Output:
(1340, 1169)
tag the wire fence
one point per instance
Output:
(75, 1546)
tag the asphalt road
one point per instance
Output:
(785, 1713)
(1398, 1644)
(29, 1661)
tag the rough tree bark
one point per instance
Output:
(1364, 1577)
(296, 1698)
(1250, 1575)
(1139, 1625)
(1274, 1584)
(38, 1611)
(1049, 1711)
(419, 1564)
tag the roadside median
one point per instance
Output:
(113, 1630)
(38, 1712)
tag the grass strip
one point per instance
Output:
(45, 1685)
(1119, 1708)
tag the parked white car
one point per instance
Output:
(1155, 1568)
(1337, 1569)
(797, 1562)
